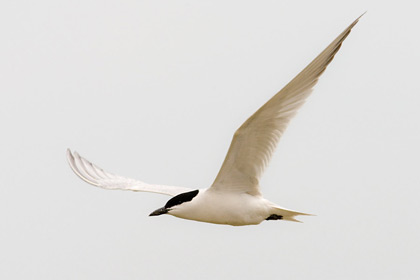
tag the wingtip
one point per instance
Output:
(357, 19)
(69, 155)
(72, 158)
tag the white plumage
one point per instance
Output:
(234, 197)
(96, 176)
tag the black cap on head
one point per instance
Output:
(176, 200)
(181, 198)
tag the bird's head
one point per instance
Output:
(174, 202)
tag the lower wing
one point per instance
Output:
(96, 176)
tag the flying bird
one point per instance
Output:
(234, 198)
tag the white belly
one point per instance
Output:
(224, 208)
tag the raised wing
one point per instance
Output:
(255, 141)
(96, 176)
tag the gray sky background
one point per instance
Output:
(155, 89)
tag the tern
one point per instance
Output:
(234, 198)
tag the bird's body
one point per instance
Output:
(224, 208)
(234, 198)
(231, 208)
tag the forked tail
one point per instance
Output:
(286, 214)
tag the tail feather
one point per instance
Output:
(289, 215)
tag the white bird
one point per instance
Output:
(234, 198)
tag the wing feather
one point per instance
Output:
(255, 141)
(96, 176)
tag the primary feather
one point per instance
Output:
(255, 141)
(96, 176)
